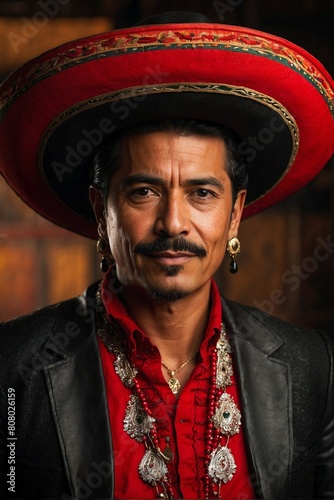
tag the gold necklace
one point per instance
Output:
(174, 383)
(224, 418)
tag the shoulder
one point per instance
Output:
(276, 335)
(48, 334)
(48, 315)
(305, 356)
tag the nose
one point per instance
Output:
(172, 216)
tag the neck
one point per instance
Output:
(175, 328)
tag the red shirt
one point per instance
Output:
(183, 421)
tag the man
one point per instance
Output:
(150, 385)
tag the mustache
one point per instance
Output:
(179, 244)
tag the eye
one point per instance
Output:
(140, 193)
(203, 193)
(143, 191)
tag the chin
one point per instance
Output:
(166, 295)
(172, 271)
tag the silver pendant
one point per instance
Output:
(227, 417)
(124, 370)
(222, 465)
(152, 468)
(137, 423)
(224, 369)
(112, 339)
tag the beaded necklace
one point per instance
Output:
(224, 418)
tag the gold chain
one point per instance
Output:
(173, 382)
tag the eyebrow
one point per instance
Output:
(142, 179)
(205, 181)
(158, 181)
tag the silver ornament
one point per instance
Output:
(222, 465)
(152, 468)
(137, 422)
(227, 417)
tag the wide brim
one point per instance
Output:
(58, 109)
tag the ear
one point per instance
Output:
(97, 203)
(237, 213)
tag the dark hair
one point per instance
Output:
(106, 159)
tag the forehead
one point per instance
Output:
(168, 151)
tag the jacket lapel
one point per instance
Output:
(78, 401)
(79, 406)
(265, 398)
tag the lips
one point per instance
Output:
(171, 258)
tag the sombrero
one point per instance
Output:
(59, 108)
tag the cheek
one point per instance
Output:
(123, 234)
(115, 233)
(216, 239)
(119, 242)
(214, 229)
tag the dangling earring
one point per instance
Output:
(233, 248)
(102, 246)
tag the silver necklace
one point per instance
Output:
(139, 422)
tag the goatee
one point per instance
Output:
(163, 295)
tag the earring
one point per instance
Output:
(233, 248)
(102, 246)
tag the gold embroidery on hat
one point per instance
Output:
(132, 92)
(151, 40)
(172, 88)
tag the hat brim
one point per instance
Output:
(276, 98)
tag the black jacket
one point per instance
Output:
(63, 447)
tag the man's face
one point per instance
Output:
(169, 213)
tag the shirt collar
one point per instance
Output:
(137, 340)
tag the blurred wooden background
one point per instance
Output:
(286, 265)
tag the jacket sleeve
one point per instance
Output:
(324, 483)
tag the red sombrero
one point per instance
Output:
(57, 109)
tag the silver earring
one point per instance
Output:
(233, 248)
